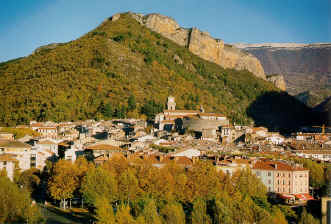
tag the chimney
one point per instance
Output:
(160, 157)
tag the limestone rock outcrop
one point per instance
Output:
(202, 44)
(306, 67)
(278, 81)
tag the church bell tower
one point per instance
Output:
(171, 103)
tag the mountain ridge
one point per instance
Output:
(200, 43)
(95, 75)
(305, 67)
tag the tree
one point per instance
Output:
(131, 103)
(128, 186)
(307, 218)
(108, 111)
(15, 204)
(149, 213)
(63, 182)
(199, 213)
(224, 210)
(104, 211)
(173, 213)
(123, 215)
(29, 179)
(247, 183)
(99, 183)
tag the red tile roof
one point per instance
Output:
(103, 147)
(275, 165)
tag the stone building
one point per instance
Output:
(283, 178)
(7, 163)
(205, 125)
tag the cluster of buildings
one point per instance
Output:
(180, 136)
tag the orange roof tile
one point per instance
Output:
(7, 158)
(212, 114)
(103, 147)
(275, 165)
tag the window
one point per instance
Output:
(4, 163)
(33, 164)
(258, 173)
(269, 174)
(33, 157)
(269, 181)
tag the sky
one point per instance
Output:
(28, 24)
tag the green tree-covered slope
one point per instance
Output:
(95, 75)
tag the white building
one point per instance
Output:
(7, 162)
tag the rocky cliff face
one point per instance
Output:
(202, 44)
(278, 81)
(306, 67)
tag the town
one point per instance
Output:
(183, 137)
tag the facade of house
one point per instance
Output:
(322, 155)
(48, 145)
(26, 155)
(105, 150)
(46, 130)
(7, 162)
(196, 120)
(230, 166)
(281, 177)
(6, 136)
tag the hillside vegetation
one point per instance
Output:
(123, 69)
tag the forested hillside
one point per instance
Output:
(122, 69)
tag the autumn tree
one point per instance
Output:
(15, 204)
(131, 103)
(29, 179)
(173, 213)
(128, 188)
(98, 183)
(149, 213)
(123, 215)
(63, 182)
(104, 211)
(306, 218)
(199, 213)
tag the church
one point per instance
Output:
(205, 125)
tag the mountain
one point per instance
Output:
(202, 44)
(306, 67)
(122, 68)
(324, 109)
(313, 98)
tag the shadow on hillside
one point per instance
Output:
(278, 111)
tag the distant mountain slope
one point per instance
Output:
(313, 98)
(306, 67)
(121, 69)
(325, 111)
